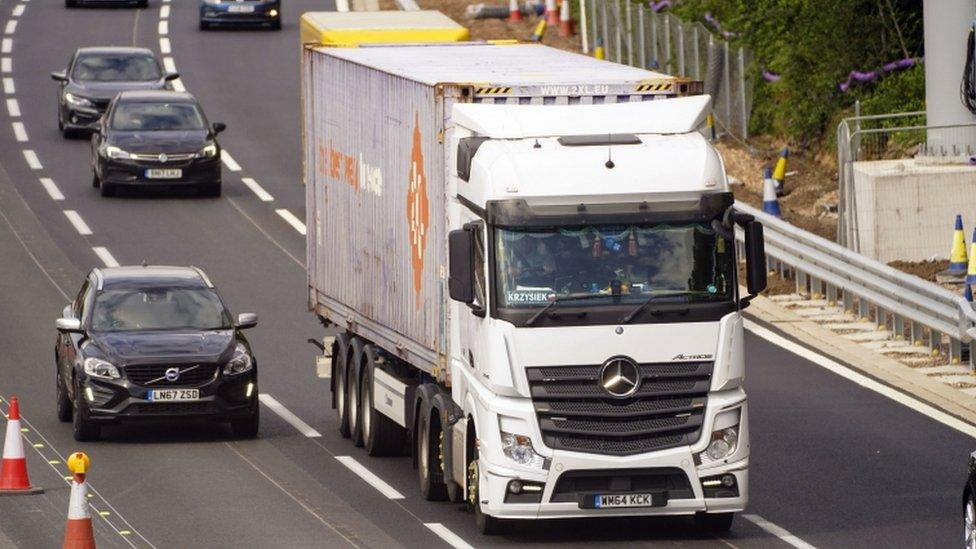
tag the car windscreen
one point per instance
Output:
(117, 310)
(116, 68)
(147, 116)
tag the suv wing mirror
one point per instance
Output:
(68, 325)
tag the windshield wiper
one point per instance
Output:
(637, 310)
(556, 300)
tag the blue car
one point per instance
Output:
(240, 12)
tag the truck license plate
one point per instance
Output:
(611, 501)
(173, 395)
(164, 173)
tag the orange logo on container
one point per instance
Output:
(418, 209)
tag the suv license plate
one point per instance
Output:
(157, 173)
(613, 501)
(173, 395)
(244, 8)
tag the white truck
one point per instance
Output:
(529, 257)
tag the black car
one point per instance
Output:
(95, 75)
(154, 139)
(240, 12)
(106, 3)
(153, 342)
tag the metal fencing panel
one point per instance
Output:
(634, 34)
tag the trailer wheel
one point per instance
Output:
(431, 482)
(353, 382)
(341, 403)
(381, 435)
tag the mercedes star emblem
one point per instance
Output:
(620, 377)
(172, 374)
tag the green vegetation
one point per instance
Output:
(813, 45)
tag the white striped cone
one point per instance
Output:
(78, 533)
(565, 23)
(552, 14)
(770, 201)
(514, 11)
(13, 467)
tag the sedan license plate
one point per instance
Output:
(174, 395)
(164, 173)
(241, 8)
(615, 501)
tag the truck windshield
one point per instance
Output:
(614, 263)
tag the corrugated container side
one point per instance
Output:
(377, 200)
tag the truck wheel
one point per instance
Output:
(381, 435)
(431, 484)
(352, 391)
(714, 522)
(487, 524)
(340, 402)
(84, 429)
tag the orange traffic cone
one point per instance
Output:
(565, 23)
(552, 14)
(13, 469)
(78, 533)
(514, 11)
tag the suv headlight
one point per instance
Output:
(209, 151)
(78, 100)
(97, 367)
(116, 153)
(519, 449)
(240, 362)
(722, 445)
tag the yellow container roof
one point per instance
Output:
(380, 27)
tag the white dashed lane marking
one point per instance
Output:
(52, 188)
(6, 45)
(31, 157)
(292, 220)
(163, 28)
(78, 223)
(20, 132)
(164, 46)
(369, 477)
(169, 64)
(229, 161)
(287, 415)
(450, 537)
(18, 10)
(10, 28)
(257, 189)
(164, 12)
(105, 256)
(6, 64)
(8, 86)
(13, 108)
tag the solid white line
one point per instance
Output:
(20, 132)
(105, 256)
(52, 188)
(257, 189)
(8, 86)
(18, 10)
(163, 28)
(164, 12)
(778, 531)
(11, 27)
(31, 157)
(6, 64)
(450, 537)
(178, 85)
(369, 477)
(6, 45)
(285, 413)
(229, 161)
(78, 222)
(169, 64)
(292, 220)
(13, 107)
(164, 46)
(862, 380)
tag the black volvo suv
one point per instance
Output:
(153, 343)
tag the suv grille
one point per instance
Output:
(154, 375)
(575, 413)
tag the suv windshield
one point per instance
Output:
(159, 309)
(618, 263)
(141, 116)
(116, 68)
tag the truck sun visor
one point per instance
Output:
(599, 139)
(519, 213)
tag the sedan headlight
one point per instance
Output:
(116, 153)
(97, 367)
(240, 362)
(209, 151)
(78, 100)
(519, 449)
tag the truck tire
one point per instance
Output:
(353, 382)
(715, 523)
(432, 486)
(340, 360)
(487, 524)
(381, 435)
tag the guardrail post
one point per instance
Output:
(972, 356)
(816, 288)
(863, 309)
(801, 284)
(935, 342)
(898, 327)
(915, 330)
(955, 351)
(848, 302)
(642, 58)
(880, 317)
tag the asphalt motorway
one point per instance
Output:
(834, 464)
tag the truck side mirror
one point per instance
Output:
(461, 279)
(755, 258)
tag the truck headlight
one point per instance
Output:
(723, 444)
(77, 100)
(209, 151)
(240, 362)
(519, 449)
(97, 367)
(116, 153)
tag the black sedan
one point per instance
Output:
(106, 3)
(95, 75)
(240, 12)
(143, 343)
(152, 139)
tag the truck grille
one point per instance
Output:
(575, 483)
(575, 413)
(154, 375)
